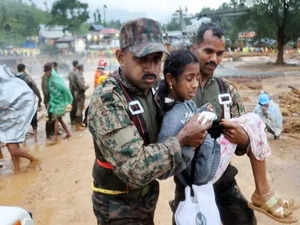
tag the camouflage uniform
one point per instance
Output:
(50, 122)
(78, 88)
(127, 193)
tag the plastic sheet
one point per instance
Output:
(17, 107)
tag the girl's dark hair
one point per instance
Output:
(177, 60)
(174, 65)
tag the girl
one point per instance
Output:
(207, 163)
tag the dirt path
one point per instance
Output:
(59, 193)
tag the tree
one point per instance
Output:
(69, 13)
(276, 19)
(23, 20)
(97, 17)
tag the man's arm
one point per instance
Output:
(45, 90)
(35, 90)
(122, 146)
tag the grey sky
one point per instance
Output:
(157, 9)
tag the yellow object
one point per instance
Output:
(107, 191)
(101, 79)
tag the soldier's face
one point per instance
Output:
(141, 72)
(209, 52)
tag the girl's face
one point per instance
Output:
(185, 87)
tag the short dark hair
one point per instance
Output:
(54, 64)
(21, 67)
(216, 30)
(75, 63)
(80, 67)
(47, 67)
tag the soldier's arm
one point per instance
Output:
(122, 146)
(237, 108)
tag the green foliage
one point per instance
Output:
(49, 50)
(23, 20)
(273, 19)
(276, 19)
(173, 25)
(97, 17)
(69, 13)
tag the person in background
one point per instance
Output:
(100, 73)
(23, 75)
(60, 98)
(80, 96)
(72, 87)
(270, 113)
(45, 89)
(16, 113)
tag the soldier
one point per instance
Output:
(45, 90)
(71, 78)
(22, 74)
(78, 88)
(208, 45)
(124, 122)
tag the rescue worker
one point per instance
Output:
(270, 113)
(124, 122)
(45, 89)
(208, 45)
(22, 74)
(78, 88)
(71, 77)
(100, 73)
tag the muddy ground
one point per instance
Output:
(59, 191)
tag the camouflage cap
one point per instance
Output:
(142, 36)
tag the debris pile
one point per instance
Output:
(290, 108)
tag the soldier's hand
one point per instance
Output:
(235, 133)
(192, 134)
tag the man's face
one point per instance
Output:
(209, 52)
(264, 107)
(141, 72)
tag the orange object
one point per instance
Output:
(100, 76)
(17, 223)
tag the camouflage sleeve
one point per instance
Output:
(237, 108)
(121, 145)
